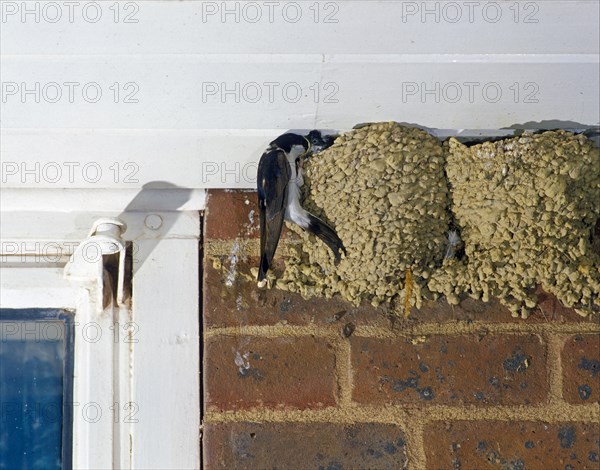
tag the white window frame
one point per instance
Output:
(147, 386)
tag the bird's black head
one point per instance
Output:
(318, 141)
(291, 142)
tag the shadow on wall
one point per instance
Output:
(160, 196)
(552, 124)
(592, 132)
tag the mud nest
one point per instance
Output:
(524, 207)
(382, 188)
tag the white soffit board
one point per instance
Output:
(127, 95)
(26, 233)
(112, 202)
(300, 27)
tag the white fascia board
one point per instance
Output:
(51, 237)
(103, 200)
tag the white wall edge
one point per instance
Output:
(101, 200)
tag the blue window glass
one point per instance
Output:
(36, 384)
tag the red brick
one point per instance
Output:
(452, 370)
(233, 214)
(231, 298)
(299, 446)
(245, 372)
(468, 310)
(243, 303)
(512, 445)
(550, 310)
(230, 214)
(581, 369)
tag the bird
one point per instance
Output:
(279, 179)
(319, 142)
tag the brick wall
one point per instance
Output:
(294, 383)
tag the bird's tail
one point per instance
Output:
(320, 229)
(264, 266)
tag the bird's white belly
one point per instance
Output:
(294, 211)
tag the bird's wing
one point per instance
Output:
(273, 178)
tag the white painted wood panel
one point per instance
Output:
(166, 382)
(157, 425)
(99, 200)
(28, 227)
(46, 287)
(192, 93)
(190, 98)
(300, 27)
(182, 152)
